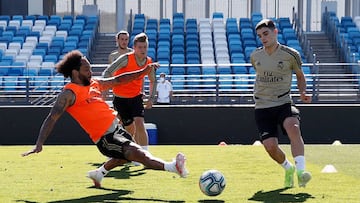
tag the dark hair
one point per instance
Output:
(71, 61)
(122, 32)
(141, 37)
(266, 23)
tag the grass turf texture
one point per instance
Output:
(58, 175)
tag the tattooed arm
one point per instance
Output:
(64, 100)
(119, 63)
(107, 83)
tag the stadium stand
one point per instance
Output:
(31, 45)
(195, 53)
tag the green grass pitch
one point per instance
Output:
(57, 174)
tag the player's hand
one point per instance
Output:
(149, 104)
(305, 98)
(154, 66)
(36, 149)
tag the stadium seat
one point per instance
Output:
(10, 83)
(178, 71)
(4, 68)
(56, 82)
(178, 82)
(41, 83)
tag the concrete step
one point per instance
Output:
(104, 45)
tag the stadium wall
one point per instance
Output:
(16, 7)
(189, 125)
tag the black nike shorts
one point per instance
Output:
(269, 120)
(111, 144)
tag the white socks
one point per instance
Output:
(103, 170)
(170, 166)
(286, 164)
(300, 163)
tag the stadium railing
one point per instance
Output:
(207, 89)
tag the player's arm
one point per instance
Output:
(63, 101)
(119, 63)
(301, 84)
(110, 58)
(171, 90)
(126, 77)
(152, 84)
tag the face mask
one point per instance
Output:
(162, 79)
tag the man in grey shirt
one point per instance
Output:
(274, 64)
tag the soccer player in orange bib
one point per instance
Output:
(82, 99)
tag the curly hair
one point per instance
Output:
(71, 61)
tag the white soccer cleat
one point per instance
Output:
(180, 165)
(96, 176)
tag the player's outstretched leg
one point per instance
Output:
(98, 174)
(134, 152)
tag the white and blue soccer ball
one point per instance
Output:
(212, 182)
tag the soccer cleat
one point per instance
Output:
(96, 176)
(289, 177)
(180, 165)
(303, 178)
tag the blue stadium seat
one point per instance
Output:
(224, 70)
(152, 52)
(45, 72)
(4, 68)
(163, 69)
(7, 59)
(193, 70)
(30, 17)
(178, 82)
(178, 58)
(241, 82)
(209, 70)
(5, 17)
(56, 82)
(218, 15)
(30, 71)
(192, 58)
(178, 50)
(10, 83)
(163, 54)
(225, 82)
(51, 58)
(41, 83)
(178, 71)
(17, 69)
(164, 64)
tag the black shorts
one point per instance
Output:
(111, 145)
(269, 120)
(128, 108)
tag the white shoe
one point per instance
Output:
(180, 165)
(96, 176)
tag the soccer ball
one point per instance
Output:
(212, 182)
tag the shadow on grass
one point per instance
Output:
(276, 196)
(115, 196)
(124, 172)
(211, 201)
